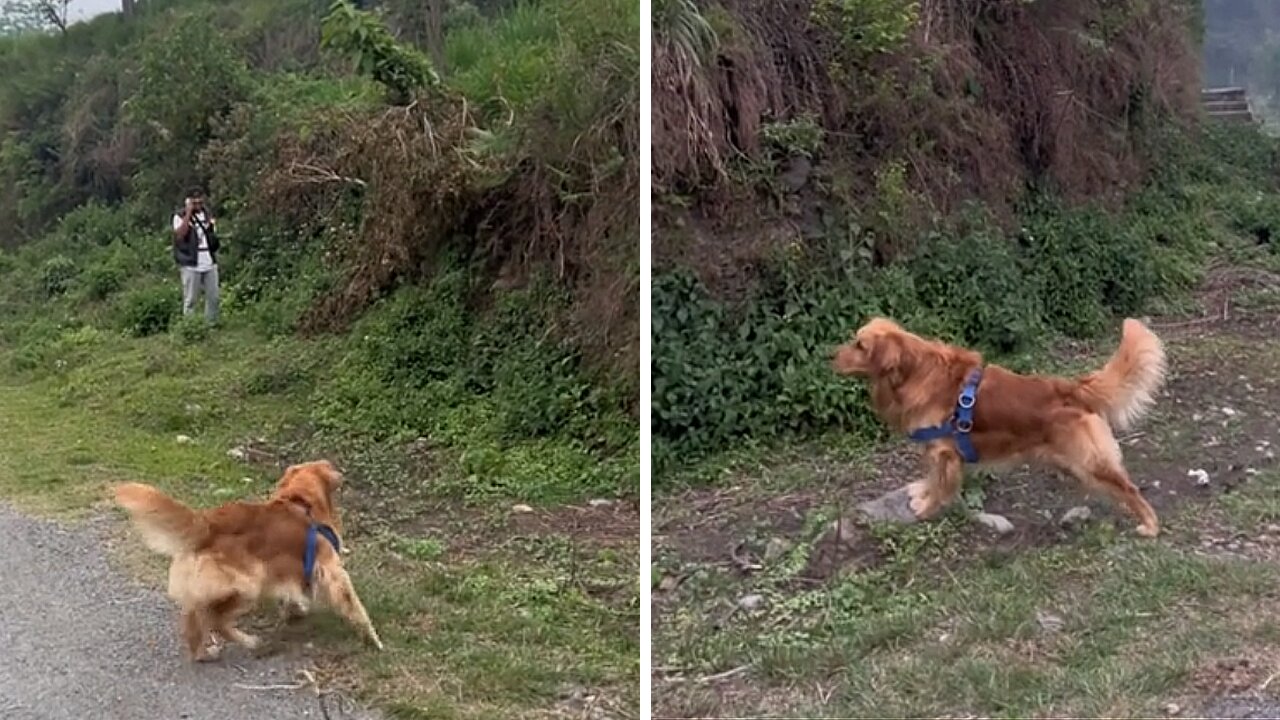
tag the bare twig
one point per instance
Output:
(308, 679)
(315, 174)
(1215, 317)
(743, 563)
(267, 688)
(726, 674)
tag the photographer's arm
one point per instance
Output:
(182, 223)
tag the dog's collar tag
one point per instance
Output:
(309, 554)
(961, 422)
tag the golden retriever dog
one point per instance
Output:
(310, 487)
(298, 486)
(226, 559)
(1066, 423)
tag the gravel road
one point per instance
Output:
(80, 639)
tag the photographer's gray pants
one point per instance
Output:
(193, 283)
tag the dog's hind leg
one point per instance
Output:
(945, 474)
(338, 592)
(1093, 456)
(196, 634)
(225, 613)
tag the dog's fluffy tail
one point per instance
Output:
(167, 526)
(1123, 390)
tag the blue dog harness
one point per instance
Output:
(959, 425)
(309, 555)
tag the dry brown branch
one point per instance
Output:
(308, 173)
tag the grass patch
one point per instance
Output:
(1101, 625)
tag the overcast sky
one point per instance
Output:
(81, 9)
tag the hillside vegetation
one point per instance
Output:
(429, 274)
(453, 259)
(994, 172)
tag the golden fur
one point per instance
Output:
(227, 558)
(1066, 423)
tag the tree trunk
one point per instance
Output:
(126, 7)
(435, 34)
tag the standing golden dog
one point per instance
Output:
(227, 558)
(1062, 422)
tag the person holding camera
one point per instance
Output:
(195, 248)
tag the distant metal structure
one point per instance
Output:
(1228, 103)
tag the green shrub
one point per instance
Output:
(978, 287)
(402, 69)
(867, 27)
(801, 136)
(419, 335)
(148, 310)
(57, 274)
(95, 225)
(189, 329)
(103, 280)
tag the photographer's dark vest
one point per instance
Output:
(186, 250)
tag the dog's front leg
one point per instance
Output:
(292, 610)
(944, 473)
(340, 594)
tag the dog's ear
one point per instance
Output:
(892, 357)
(886, 353)
(332, 475)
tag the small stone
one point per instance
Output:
(1049, 622)
(1201, 477)
(599, 502)
(238, 454)
(1172, 709)
(999, 523)
(845, 530)
(1076, 515)
(776, 548)
(184, 440)
(1229, 412)
(1233, 546)
(521, 508)
(751, 602)
(795, 174)
(192, 409)
(246, 480)
(894, 506)
(668, 583)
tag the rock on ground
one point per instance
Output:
(999, 523)
(890, 507)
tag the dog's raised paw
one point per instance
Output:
(921, 504)
(209, 653)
